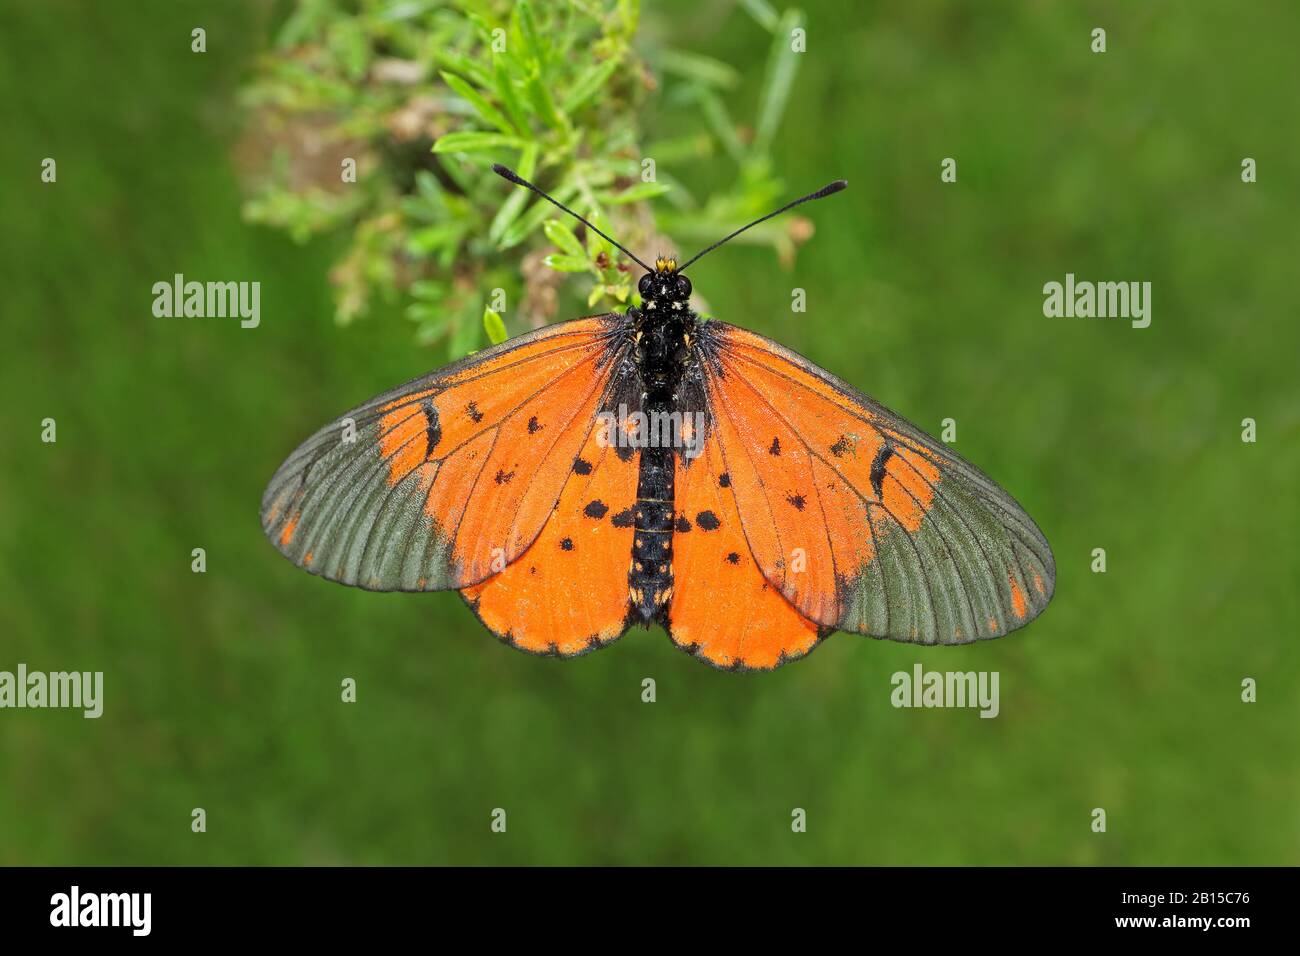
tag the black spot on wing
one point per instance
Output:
(878, 468)
(503, 477)
(724, 480)
(683, 524)
(432, 427)
(775, 447)
(708, 521)
(534, 426)
(581, 466)
(472, 411)
(566, 544)
(797, 500)
(733, 558)
(595, 509)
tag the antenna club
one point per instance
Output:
(506, 172)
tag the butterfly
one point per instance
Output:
(652, 467)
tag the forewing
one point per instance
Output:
(441, 481)
(861, 520)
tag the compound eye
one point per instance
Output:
(683, 287)
(646, 286)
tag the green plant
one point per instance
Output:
(384, 117)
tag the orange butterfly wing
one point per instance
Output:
(858, 518)
(443, 481)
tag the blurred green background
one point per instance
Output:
(222, 689)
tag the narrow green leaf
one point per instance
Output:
(539, 94)
(482, 25)
(763, 13)
(303, 24)
(677, 194)
(462, 176)
(485, 109)
(472, 142)
(428, 289)
(680, 148)
(636, 193)
(782, 67)
(567, 263)
(424, 241)
(494, 327)
(398, 12)
(505, 87)
(534, 45)
(702, 69)
(562, 237)
(465, 67)
(716, 116)
(588, 85)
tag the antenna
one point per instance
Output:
(822, 193)
(515, 178)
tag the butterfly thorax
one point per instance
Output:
(663, 332)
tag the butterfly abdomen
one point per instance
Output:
(650, 576)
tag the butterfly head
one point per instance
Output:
(665, 287)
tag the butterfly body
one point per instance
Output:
(648, 467)
(663, 329)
